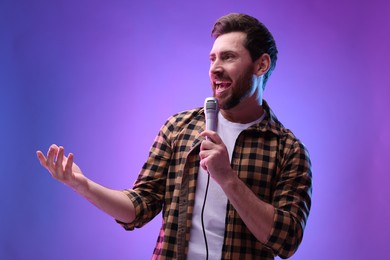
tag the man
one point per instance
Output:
(259, 196)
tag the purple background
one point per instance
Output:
(101, 77)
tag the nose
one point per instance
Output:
(216, 67)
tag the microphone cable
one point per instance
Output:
(202, 218)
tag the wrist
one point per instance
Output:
(229, 183)
(80, 185)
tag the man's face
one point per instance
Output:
(231, 69)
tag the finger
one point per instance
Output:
(203, 165)
(215, 138)
(69, 163)
(202, 155)
(53, 150)
(60, 158)
(52, 147)
(50, 158)
(41, 158)
(206, 145)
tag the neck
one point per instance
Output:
(248, 110)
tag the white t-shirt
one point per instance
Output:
(216, 202)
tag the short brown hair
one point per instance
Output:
(259, 40)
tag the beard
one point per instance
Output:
(239, 91)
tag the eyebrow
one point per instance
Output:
(223, 53)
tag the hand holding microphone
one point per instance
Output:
(214, 157)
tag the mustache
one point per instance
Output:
(221, 77)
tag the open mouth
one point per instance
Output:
(221, 86)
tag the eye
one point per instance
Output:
(228, 56)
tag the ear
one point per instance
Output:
(262, 64)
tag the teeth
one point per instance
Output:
(221, 83)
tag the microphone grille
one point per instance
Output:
(211, 104)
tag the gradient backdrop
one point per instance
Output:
(101, 77)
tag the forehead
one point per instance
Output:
(233, 41)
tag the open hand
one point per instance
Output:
(61, 167)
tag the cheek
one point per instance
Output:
(237, 70)
(231, 72)
(237, 74)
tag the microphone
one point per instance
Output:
(211, 112)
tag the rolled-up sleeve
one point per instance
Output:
(292, 201)
(147, 194)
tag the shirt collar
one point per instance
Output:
(270, 121)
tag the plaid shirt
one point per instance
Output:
(272, 162)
